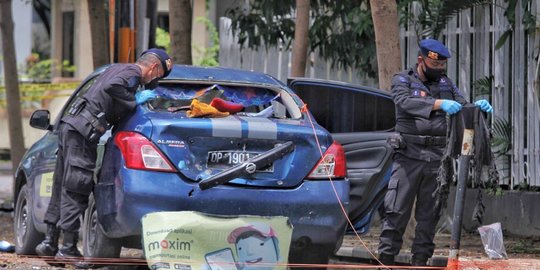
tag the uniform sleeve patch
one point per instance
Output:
(419, 93)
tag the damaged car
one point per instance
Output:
(218, 141)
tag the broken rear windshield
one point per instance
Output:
(198, 100)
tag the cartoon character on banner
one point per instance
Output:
(257, 247)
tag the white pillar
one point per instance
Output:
(82, 43)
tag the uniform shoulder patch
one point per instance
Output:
(402, 79)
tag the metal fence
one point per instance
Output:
(471, 37)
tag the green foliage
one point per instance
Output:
(210, 54)
(341, 31)
(529, 20)
(502, 136)
(435, 14)
(40, 70)
(264, 23)
(527, 246)
(483, 86)
(494, 190)
(163, 39)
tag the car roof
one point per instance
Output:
(215, 74)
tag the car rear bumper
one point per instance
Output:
(312, 207)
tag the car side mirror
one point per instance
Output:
(40, 119)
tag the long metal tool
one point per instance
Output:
(463, 175)
(249, 167)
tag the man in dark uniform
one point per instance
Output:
(423, 96)
(111, 97)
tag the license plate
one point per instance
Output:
(226, 159)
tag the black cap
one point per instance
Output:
(164, 58)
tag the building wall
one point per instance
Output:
(22, 20)
(83, 42)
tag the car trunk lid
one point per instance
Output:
(203, 147)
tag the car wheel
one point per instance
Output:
(26, 235)
(96, 244)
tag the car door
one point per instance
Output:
(44, 160)
(361, 119)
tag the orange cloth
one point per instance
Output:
(199, 109)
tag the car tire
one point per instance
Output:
(26, 235)
(95, 243)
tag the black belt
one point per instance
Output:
(425, 140)
(98, 122)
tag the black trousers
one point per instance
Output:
(72, 180)
(411, 179)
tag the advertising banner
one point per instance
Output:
(190, 240)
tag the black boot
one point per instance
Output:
(387, 260)
(49, 246)
(70, 254)
(419, 260)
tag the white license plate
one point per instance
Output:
(225, 159)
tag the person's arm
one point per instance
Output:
(117, 90)
(437, 104)
(416, 106)
(457, 94)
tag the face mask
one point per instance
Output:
(152, 84)
(432, 74)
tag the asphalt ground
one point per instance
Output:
(523, 253)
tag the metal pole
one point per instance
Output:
(463, 174)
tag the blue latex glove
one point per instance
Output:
(484, 105)
(450, 106)
(144, 95)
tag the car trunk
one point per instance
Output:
(202, 147)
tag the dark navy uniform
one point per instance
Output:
(416, 161)
(111, 97)
(113, 94)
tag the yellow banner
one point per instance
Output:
(192, 240)
(29, 87)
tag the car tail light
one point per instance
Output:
(140, 153)
(332, 164)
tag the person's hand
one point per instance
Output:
(144, 95)
(450, 106)
(484, 105)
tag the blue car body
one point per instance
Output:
(123, 195)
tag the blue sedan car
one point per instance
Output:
(261, 157)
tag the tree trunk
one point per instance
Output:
(98, 31)
(300, 46)
(385, 22)
(13, 99)
(180, 31)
